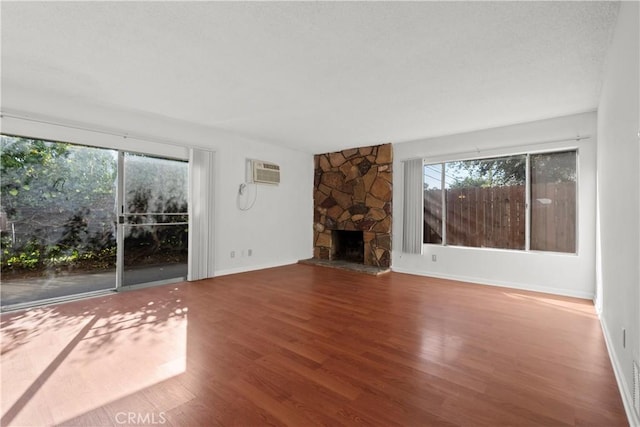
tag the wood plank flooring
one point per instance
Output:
(303, 346)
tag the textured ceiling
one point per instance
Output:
(315, 76)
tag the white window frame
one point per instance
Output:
(527, 249)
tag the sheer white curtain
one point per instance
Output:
(201, 224)
(412, 208)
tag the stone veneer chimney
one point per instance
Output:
(353, 191)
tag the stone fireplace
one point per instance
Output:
(353, 204)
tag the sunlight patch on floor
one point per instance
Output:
(77, 363)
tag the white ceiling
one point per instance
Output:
(315, 76)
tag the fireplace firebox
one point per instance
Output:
(348, 246)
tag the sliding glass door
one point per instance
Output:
(57, 220)
(76, 220)
(154, 220)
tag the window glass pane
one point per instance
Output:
(553, 202)
(156, 230)
(432, 188)
(57, 219)
(485, 202)
(155, 252)
(155, 185)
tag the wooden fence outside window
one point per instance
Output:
(494, 217)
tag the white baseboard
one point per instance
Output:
(475, 280)
(627, 398)
(248, 268)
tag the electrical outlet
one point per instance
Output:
(233, 254)
(434, 258)
(249, 252)
(242, 253)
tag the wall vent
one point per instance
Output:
(264, 172)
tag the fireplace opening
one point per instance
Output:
(348, 246)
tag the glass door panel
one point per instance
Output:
(57, 220)
(154, 220)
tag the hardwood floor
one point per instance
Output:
(303, 345)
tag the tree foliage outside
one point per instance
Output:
(498, 172)
(57, 204)
(552, 167)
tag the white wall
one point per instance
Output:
(619, 199)
(564, 274)
(278, 228)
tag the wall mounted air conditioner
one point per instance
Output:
(264, 172)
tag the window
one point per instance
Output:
(483, 202)
(553, 202)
